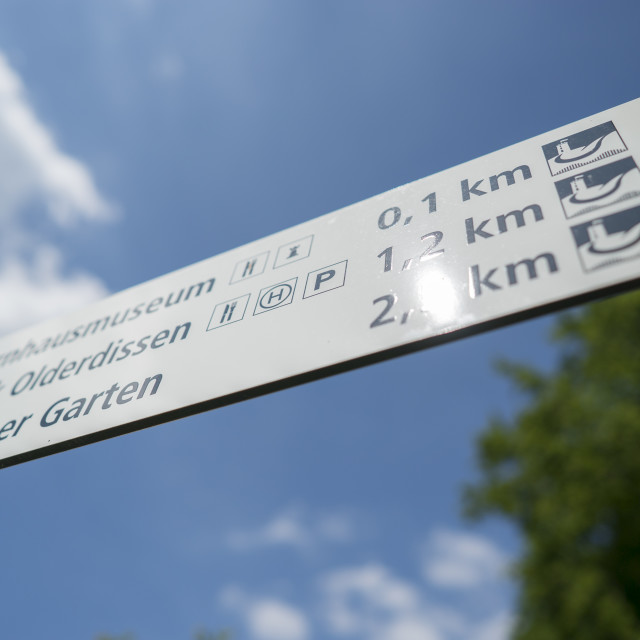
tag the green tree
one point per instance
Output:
(566, 472)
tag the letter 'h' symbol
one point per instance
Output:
(277, 294)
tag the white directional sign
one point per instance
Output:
(534, 227)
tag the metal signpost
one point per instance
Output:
(535, 227)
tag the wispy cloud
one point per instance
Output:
(36, 173)
(462, 560)
(294, 528)
(467, 600)
(33, 166)
(370, 602)
(39, 289)
(267, 618)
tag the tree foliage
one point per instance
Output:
(566, 471)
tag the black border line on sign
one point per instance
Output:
(317, 374)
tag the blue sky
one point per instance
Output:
(139, 136)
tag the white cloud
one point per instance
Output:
(410, 629)
(498, 627)
(369, 602)
(33, 167)
(276, 620)
(38, 290)
(365, 600)
(267, 618)
(293, 528)
(35, 173)
(461, 560)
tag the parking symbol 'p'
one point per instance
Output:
(325, 279)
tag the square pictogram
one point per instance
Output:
(583, 148)
(605, 188)
(275, 296)
(608, 239)
(325, 279)
(249, 267)
(228, 312)
(293, 251)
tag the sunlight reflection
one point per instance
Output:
(439, 300)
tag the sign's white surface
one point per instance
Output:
(535, 226)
